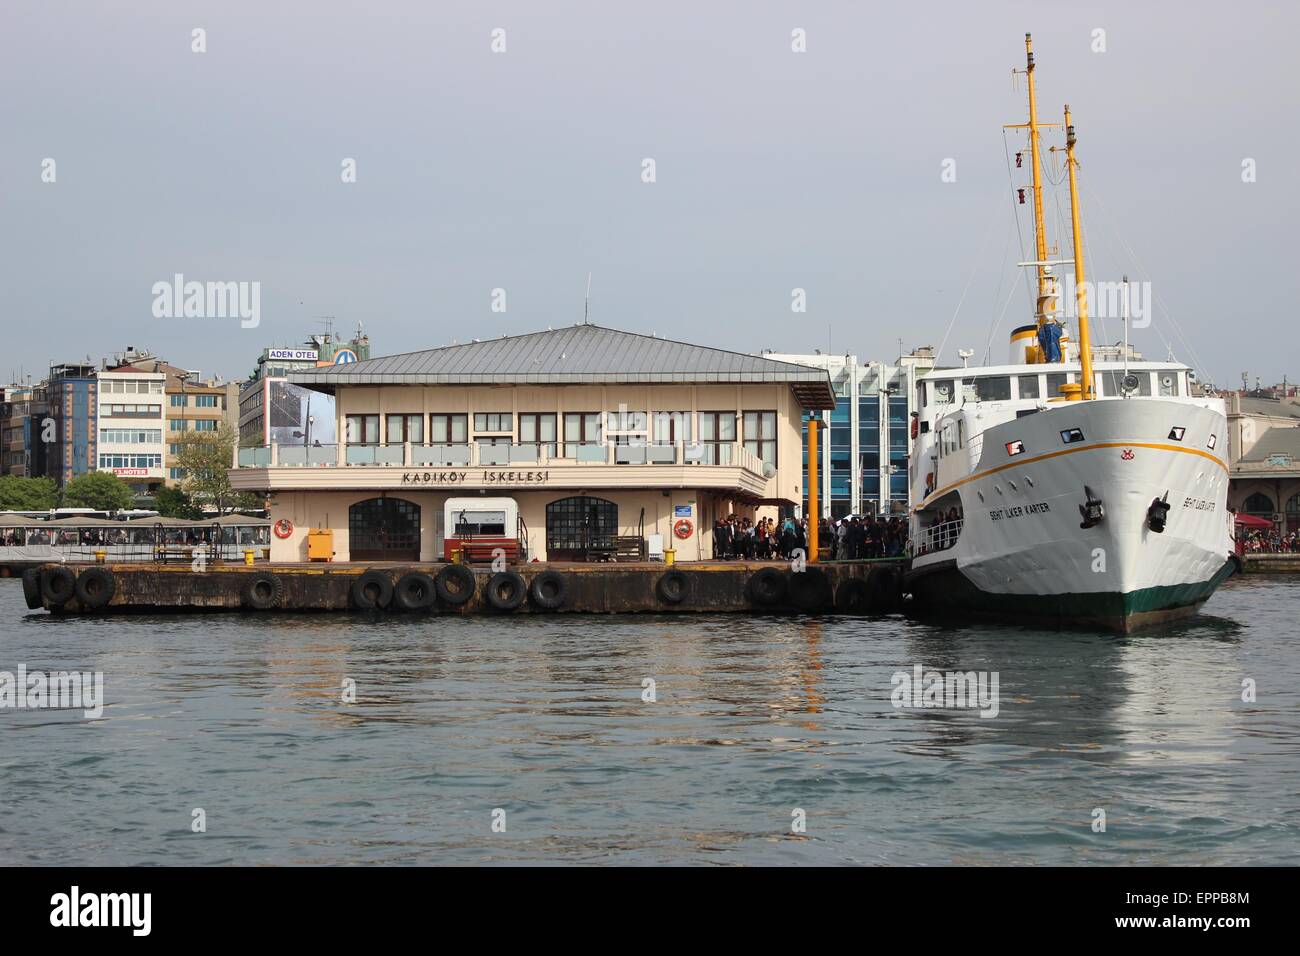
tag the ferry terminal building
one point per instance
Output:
(592, 431)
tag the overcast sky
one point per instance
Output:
(523, 171)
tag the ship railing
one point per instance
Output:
(939, 537)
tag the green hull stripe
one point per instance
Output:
(950, 589)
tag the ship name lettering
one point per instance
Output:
(1019, 511)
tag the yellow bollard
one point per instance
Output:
(670, 556)
(248, 557)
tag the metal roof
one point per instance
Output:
(578, 354)
(1275, 442)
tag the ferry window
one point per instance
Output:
(1168, 383)
(580, 428)
(1054, 382)
(403, 428)
(1072, 435)
(493, 422)
(989, 388)
(760, 435)
(1028, 386)
(943, 392)
(538, 428)
(448, 429)
(1111, 383)
(363, 429)
(717, 432)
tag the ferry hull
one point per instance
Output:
(1022, 553)
(944, 591)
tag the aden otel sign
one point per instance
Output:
(473, 476)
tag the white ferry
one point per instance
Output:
(1063, 490)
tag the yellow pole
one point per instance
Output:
(1085, 340)
(813, 510)
(1040, 233)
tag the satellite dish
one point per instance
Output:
(769, 470)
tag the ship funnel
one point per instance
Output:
(1024, 346)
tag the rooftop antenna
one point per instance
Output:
(586, 304)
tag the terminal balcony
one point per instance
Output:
(706, 465)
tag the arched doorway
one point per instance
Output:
(1260, 505)
(384, 529)
(575, 525)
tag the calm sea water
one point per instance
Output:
(543, 718)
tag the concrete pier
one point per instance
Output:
(863, 587)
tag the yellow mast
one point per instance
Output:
(1047, 293)
(1040, 233)
(1085, 343)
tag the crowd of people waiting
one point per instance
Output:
(737, 537)
(1271, 541)
(848, 539)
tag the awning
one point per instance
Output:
(1251, 521)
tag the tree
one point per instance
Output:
(101, 490)
(28, 494)
(206, 458)
(175, 503)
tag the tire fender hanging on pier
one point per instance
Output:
(549, 590)
(810, 590)
(261, 591)
(415, 592)
(853, 596)
(372, 590)
(506, 590)
(96, 587)
(455, 584)
(58, 585)
(767, 587)
(671, 587)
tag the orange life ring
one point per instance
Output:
(683, 528)
(283, 528)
